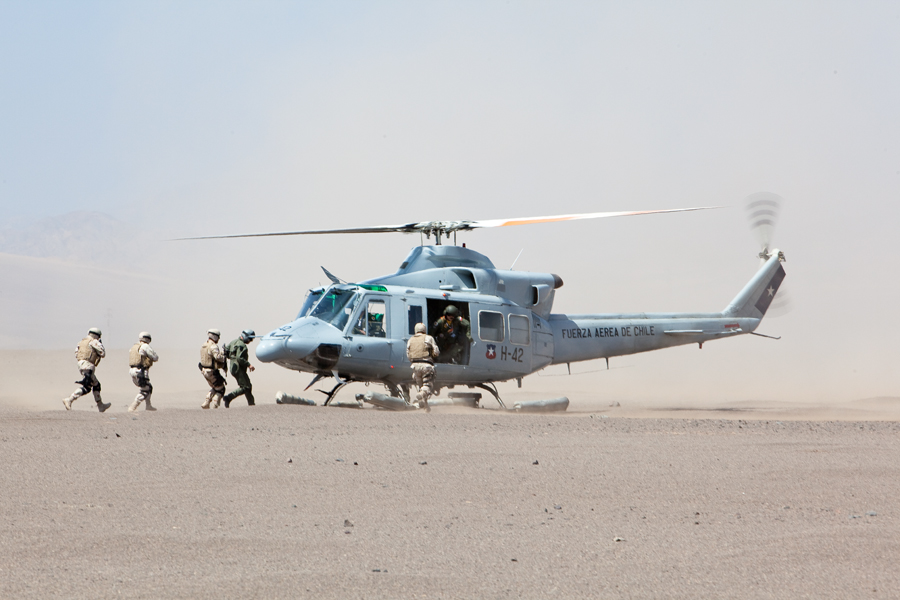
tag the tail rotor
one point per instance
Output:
(763, 210)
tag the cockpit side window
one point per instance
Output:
(371, 322)
(376, 319)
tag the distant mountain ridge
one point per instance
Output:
(81, 236)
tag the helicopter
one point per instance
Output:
(357, 332)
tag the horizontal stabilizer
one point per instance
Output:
(734, 331)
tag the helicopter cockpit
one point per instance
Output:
(312, 296)
(335, 305)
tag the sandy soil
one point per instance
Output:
(285, 501)
(726, 500)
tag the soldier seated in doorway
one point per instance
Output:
(453, 335)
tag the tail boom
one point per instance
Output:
(587, 337)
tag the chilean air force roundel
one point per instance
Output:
(491, 352)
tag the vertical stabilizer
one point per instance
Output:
(757, 295)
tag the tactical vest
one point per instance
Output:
(87, 352)
(138, 360)
(447, 328)
(418, 349)
(207, 360)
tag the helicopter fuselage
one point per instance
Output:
(358, 332)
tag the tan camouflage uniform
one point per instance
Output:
(421, 351)
(212, 358)
(140, 358)
(88, 353)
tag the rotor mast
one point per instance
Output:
(441, 229)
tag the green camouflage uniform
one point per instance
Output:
(239, 354)
(453, 338)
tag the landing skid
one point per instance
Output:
(490, 387)
(329, 396)
(401, 392)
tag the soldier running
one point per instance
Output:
(211, 360)
(421, 351)
(88, 354)
(239, 354)
(140, 358)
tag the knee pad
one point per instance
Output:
(149, 388)
(97, 387)
(86, 384)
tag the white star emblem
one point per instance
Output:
(771, 291)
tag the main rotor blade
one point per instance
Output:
(409, 228)
(446, 227)
(575, 217)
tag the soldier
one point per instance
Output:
(88, 354)
(421, 351)
(140, 358)
(453, 336)
(211, 360)
(239, 354)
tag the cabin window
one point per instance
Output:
(519, 330)
(415, 316)
(371, 322)
(490, 326)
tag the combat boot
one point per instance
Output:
(134, 406)
(67, 402)
(149, 406)
(250, 400)
(206, 402)
(227, 399)
(101, 406)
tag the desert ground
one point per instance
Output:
(739, 500)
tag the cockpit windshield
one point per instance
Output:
(336, 306)
(312, 296)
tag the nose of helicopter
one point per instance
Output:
(270, 349)
(302, 344)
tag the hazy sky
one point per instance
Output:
(192, 118)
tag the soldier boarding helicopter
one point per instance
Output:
(357, 332)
